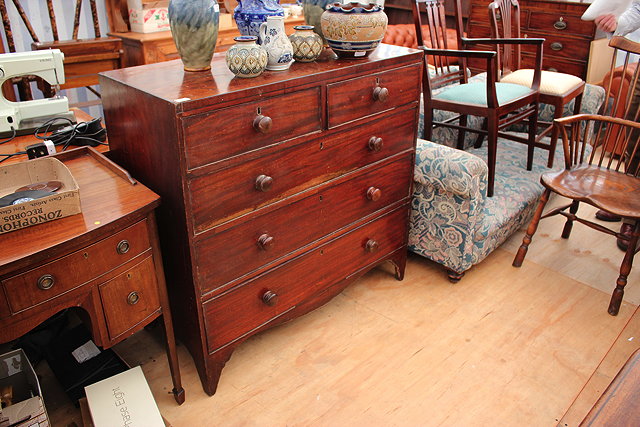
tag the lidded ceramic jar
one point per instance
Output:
(353, 30)
(307, 45)
(246, 58)
(250, 14)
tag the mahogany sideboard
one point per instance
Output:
(567, 37)
(278, 191)
(105, 261)
(147, 48)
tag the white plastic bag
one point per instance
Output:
(601, 7)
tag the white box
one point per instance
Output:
(148, 17)
(123, 400)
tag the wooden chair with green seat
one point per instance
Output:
(501, 104)
(557, 89)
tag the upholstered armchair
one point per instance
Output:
(453, 222)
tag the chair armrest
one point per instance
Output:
(527, 40)
(457, 53)
(446, 169)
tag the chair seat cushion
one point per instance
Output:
(606, 189)
(551, 83)
(476, 93)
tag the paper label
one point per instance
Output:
(85, 352)
(360, 53)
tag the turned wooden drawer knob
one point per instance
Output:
(265, 242)
(380, 94)
(270, 298)
(263, 183)
(46, 281)
(262, 123)
(374, 194)
(375, 144)
(123, 247)
(133, 298)
(371, 245)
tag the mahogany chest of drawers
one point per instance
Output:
(567, 37)
(277, 191)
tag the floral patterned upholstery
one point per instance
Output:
(453, 222)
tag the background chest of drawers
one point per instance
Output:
(277, 191)
(568, 38)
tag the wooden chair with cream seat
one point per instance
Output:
(596, 177)
(445, 87)
(557, 89)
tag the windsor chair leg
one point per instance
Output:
(531, 230)
(625, 269)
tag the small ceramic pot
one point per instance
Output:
(353, 30)
(307, 45)
(246, 58)
(276, 43)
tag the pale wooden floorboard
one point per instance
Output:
(505, 346)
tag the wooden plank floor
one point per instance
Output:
(531, 346)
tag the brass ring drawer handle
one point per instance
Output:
(123, 247)
(46, 281)
(262, 123)
(380, 94)
(560, 24)
(265, 241)
(374, 194)
(263, 183)
(556, 46)
(270, 298)
(133, 298)
(375, 144)
(371, 246)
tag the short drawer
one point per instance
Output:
(66, 273)
(559, 24)
(230, 131)
(562, 65)
(231, 315)
(130, 298)
(293, 170)
(559, 46)
(270, 236)
(355, 98)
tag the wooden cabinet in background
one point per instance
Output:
(278, 191)
(568, 38)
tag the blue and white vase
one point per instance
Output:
(194, 28)
(249, 14)
(312, 11)
(276, 43)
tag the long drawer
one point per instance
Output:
(55, 278)
(270, 236)
(286, 172)
(236, 313)
(250, 126)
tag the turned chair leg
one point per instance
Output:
(625, 269)
(568, 225)
(531, 230)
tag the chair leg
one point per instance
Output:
(492, 141)
(531, 230)
(557, 114)
(625, 269)
(428, 122)
(461, 132)
(533, 126)
(480, 136)
(568, 225)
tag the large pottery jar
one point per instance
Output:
(276, 43)
(250, 14)
(307, 45)
(353, 30)
(194, 28)
(246, 58)
(312, 10)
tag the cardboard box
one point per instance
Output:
(19, 386)
(65, 202)
(148, 17)
(123, 400)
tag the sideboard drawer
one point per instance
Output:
(557, 46)
(130, 298)
(249, 126)
(55, 278)
(355, 98)
(283, 173)
(557, 23)
(270, 236)
(561, 65)
(238, 312)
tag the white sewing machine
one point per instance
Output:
(25, 116)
